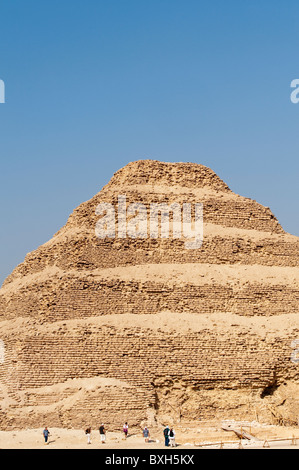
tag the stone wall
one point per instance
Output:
(148, 364)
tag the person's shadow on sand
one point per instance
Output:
(50, 441)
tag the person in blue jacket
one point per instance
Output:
(46, 433)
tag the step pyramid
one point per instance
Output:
(140, 328)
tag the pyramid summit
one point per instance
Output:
(160, 173)
(100, 329)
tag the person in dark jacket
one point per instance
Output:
(166, 436)
(102, 433)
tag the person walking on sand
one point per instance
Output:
(172, 437)
(146, 434)
(102, 433)
(166, 436)
(126, 429)
(46, 433)
(88, 433)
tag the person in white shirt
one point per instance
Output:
(126, 429)
(172, 437)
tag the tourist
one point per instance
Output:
(146, 434)
(126, 429)
(102, 433)
(166, 435)
(172, 437)
(46, 433)
(88, 433)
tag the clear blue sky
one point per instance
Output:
(92, 85)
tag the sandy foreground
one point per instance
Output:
(196, 439)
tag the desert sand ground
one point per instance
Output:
(277, 437)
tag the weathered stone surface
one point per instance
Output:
(127, 329)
